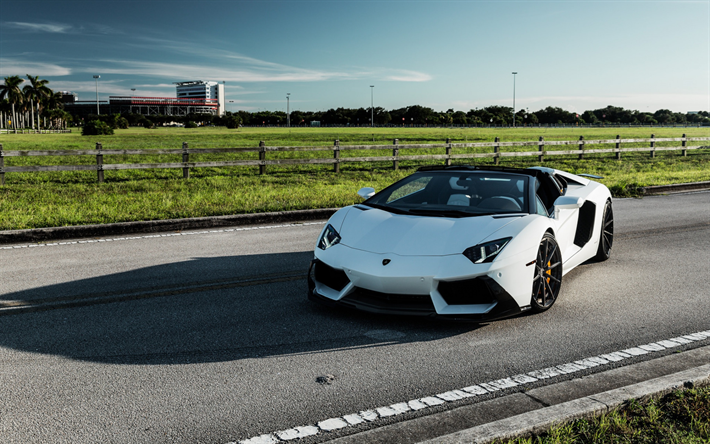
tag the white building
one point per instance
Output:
(200, 89)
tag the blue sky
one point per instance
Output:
(578, 55)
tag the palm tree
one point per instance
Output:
(35, 93)
(11, 90)
(4, 108)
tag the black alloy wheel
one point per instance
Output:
(548, 274)
(606, 237)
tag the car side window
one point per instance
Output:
(540, 207)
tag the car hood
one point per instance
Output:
(379, 231)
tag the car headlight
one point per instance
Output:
(483, 253)
(329, 238)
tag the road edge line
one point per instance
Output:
(541, 420)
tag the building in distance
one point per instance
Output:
(193, 97)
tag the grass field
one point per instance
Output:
(682, 417)
(30, 200)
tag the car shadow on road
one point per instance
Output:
(199, 310)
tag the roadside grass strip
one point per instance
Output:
(376, 414)
(153, 236)
(682, 416)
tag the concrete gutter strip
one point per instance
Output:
(675, 188)
(541, 420)
(151, 226)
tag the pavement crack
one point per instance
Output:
(536, 399)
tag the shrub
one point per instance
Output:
(148, 124)
(96, 128)
(190, 124)
(233, 121)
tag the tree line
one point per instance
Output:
(33, 105)
(36, 106)
(488, 116)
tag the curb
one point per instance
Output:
(675, 188)
(151, 226)
(539, 421)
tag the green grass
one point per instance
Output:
(682, 417)
(31, 200)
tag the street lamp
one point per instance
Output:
(96, 78)
(372, 105)
(288, 110)
(514, 73)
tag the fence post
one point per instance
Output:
(447, 162)
(2, 166)
(541, 148)
(336, 156)
(581, 147)
(185, 159)
(653, 144)
(683, 144)
(496, 150)
(395, 153)
(262, 157)
(99, 163)
(618, 147)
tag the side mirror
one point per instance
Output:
(366, 192)
(568, 203)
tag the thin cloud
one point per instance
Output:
(16, 67)
(110, 87)
(61, 28)
(40, 27)
(250, 69)
(180, 70)
(409, 76)
(243, 74)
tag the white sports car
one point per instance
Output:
(472, 242)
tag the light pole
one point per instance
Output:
(514, 73)
(133, 91)
(372, 105)
(97, 95)
(288, 110)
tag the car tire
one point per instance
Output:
(548, 275)
(606, 235)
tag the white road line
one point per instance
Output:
(151, 236)
(467, 392)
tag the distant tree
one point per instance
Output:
(446, 118)
(11, 91)
(232, 121)
(590, 117)
(459, 118)
(555, 115)
(36, 93)
(96, 128)
(664, 116)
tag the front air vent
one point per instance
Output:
(466, 292)
(330, 277)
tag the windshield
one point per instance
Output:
(455, 194)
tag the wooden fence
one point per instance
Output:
(34, 131)
(447, 149)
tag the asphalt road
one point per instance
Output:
(209, 338)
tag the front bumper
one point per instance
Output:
(478, 298)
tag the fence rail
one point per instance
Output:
(34, 131)
(336, 160)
